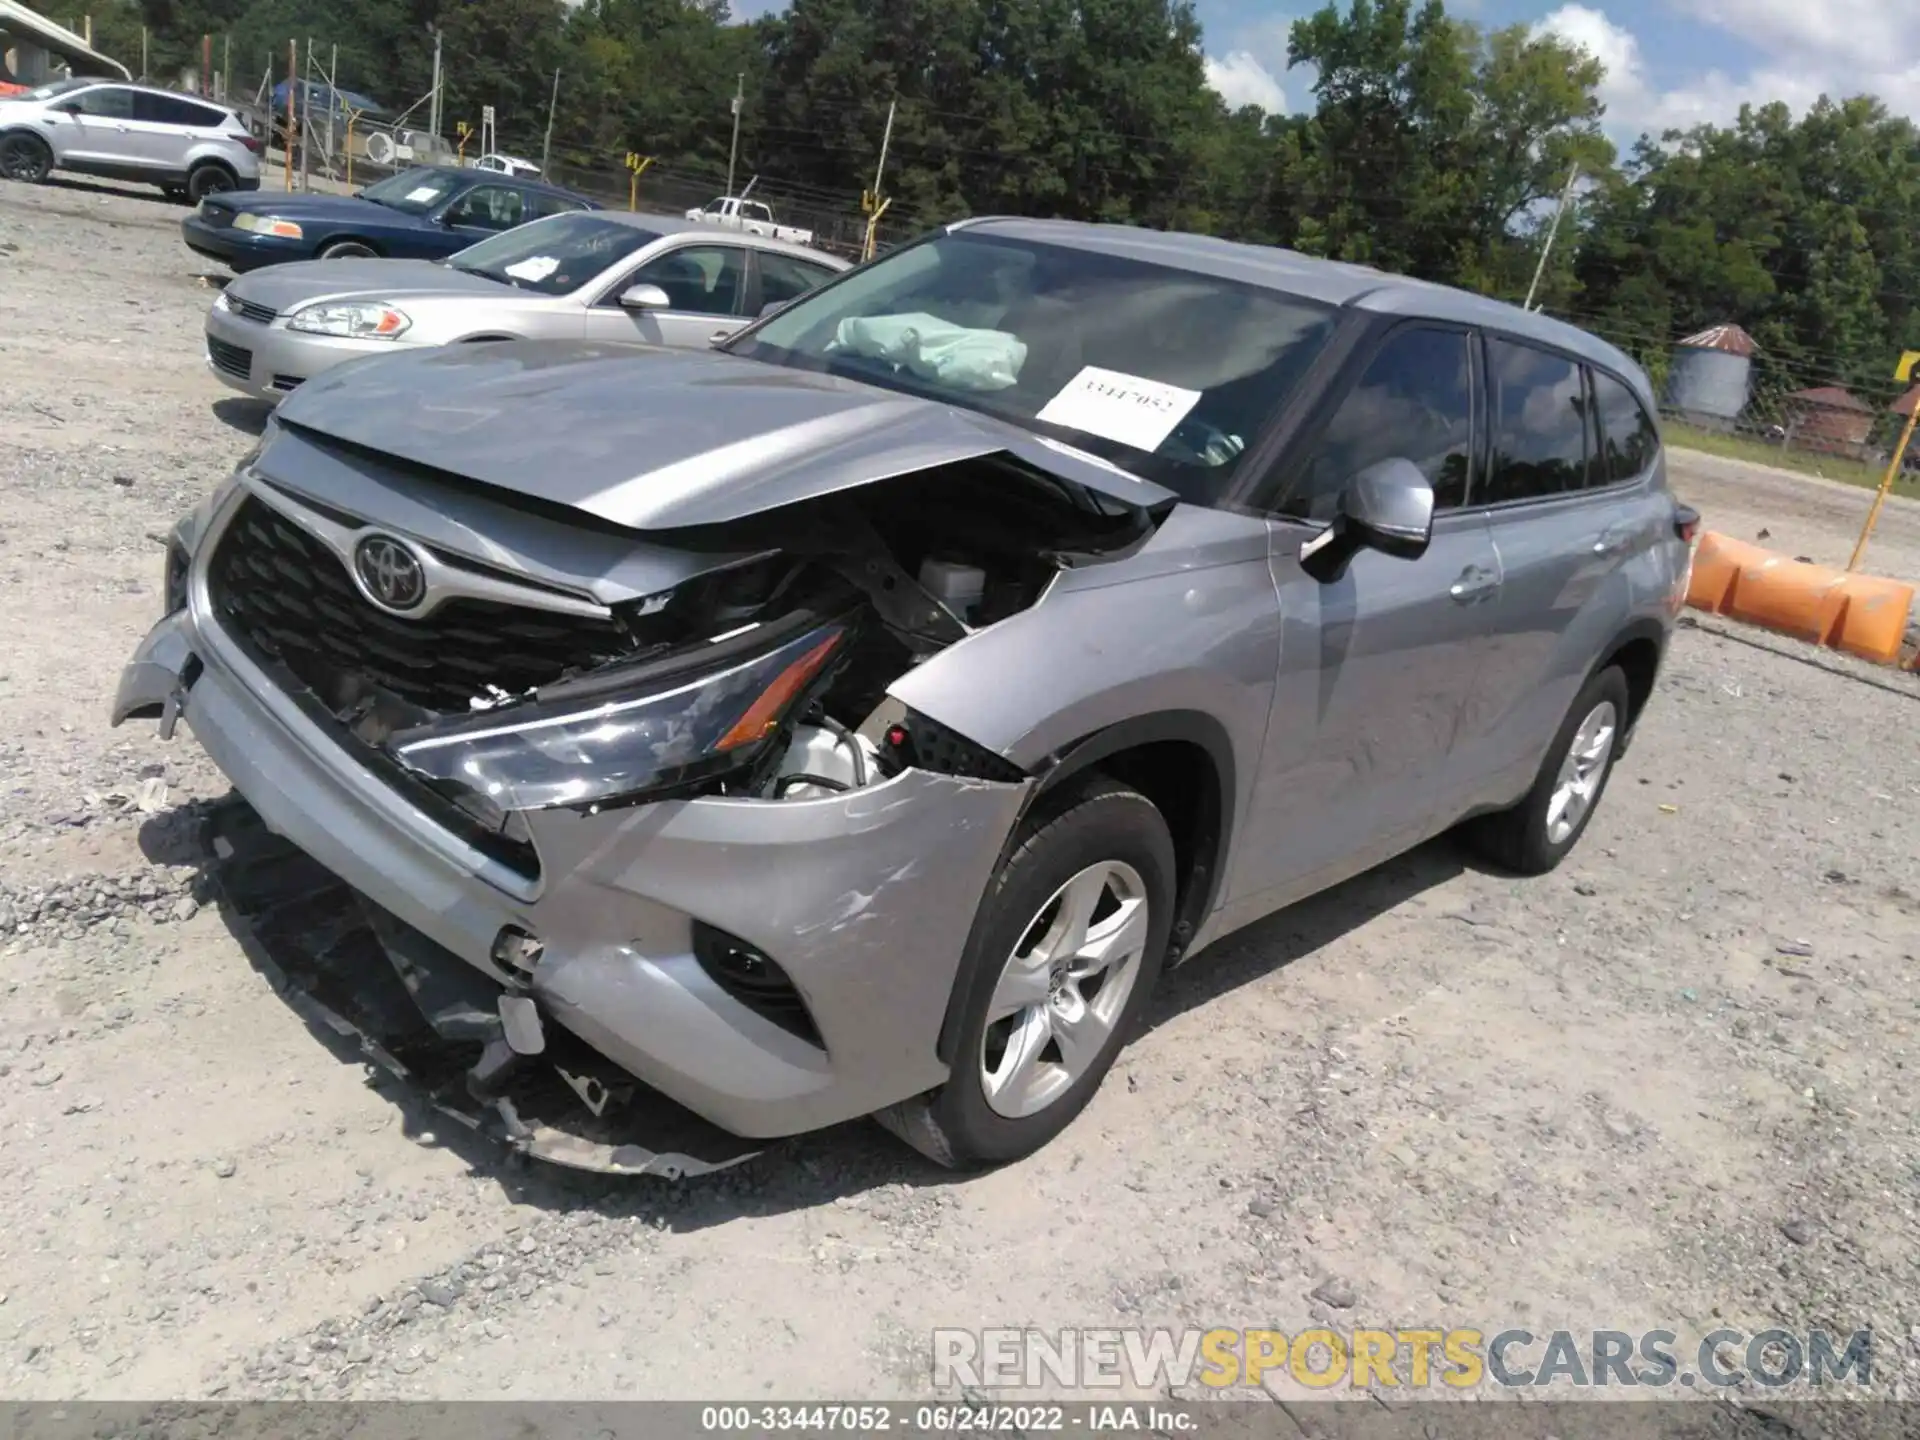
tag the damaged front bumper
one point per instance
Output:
(863, 900)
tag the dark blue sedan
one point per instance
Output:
(423, 214)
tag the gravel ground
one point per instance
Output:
(1673, 1084)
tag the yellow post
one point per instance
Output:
(1886, 484)
(350, 118)
(873, 225)
(460, 127)
(1902, 371)
(637, 164)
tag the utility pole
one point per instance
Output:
(1566, 194)
(333, 101)
(886, 139)
(553, 104)
(739, 103)
(433, 105)
(143, 52)
(226, 64)
(293, 84)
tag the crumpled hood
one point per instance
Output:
(654, 438)
(281, 287)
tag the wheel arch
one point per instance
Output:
(1638, 650)
(1182, 761)
(349, 239)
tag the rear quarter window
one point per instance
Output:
(1628, 439)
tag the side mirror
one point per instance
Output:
(68, 107)
(645, 297)
(1386, 507)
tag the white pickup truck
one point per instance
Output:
(738, 213)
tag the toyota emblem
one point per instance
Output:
(390, 572)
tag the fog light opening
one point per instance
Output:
(755, 979)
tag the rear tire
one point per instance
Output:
(1065, 950)
(210, 178)
(348, 250)
(26, 158)
(1538, 833)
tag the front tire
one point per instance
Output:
(1065, 951)
(1538, 833)
(25, 158)
(348, 250)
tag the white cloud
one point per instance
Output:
(1811, 57)
(1242, 80)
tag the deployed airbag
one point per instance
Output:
(937, 349)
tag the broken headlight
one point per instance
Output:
(625, 734)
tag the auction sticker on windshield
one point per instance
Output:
(534, 269)
(1115, 406)
(423, 194)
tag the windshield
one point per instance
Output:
(555, 256)
(412, 192)
(1167, 373)
(56, 87)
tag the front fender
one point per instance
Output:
(1201, 643)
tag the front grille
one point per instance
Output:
(286, 382)
(286, 597)
(234, 360)
(247, 310)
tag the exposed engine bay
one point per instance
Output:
(764, 675)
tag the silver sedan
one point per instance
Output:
(588, 275)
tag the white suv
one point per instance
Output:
(190, 148)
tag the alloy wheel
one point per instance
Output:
(1064, 989)
(22, 158)
(1582, 772)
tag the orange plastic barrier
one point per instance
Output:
(1861, 614)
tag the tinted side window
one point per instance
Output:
(783, 278)
(1414, 400)
(171, 110)
(1627, 437)
(546, 203)
(699, 279)
(106, 104)
(1540, 437)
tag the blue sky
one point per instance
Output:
(1669, 62)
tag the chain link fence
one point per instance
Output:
(1720, 390)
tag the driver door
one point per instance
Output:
(706, 290)
(1376, 666)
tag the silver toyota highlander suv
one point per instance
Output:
(190, 148)
(858, 718)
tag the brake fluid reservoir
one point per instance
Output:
(957, 586)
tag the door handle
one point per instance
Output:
(1610, 544)
(1473, 583)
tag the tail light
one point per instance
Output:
(254, 143)
(1686, 522)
